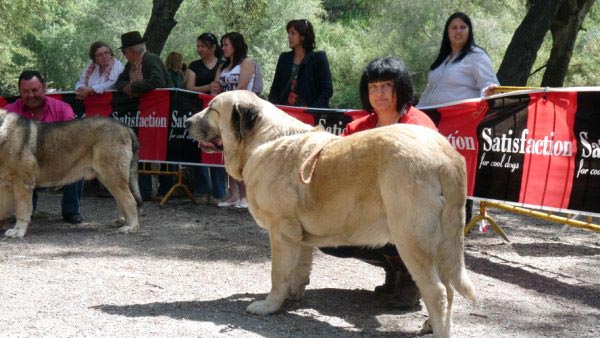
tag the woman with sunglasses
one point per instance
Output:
(302, 76)
(101, 73)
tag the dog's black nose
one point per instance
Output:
(188, 124)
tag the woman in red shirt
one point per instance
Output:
(386, 93)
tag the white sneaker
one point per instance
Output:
(214, 201)
(228, 203)
(242, 204)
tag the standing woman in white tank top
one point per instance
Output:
(237, 72)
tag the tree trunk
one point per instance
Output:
(522, 50)
(564, 28)
(162, 21)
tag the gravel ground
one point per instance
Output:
(193, 269)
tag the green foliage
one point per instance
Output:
(54, 36)
(266, 37)
(584, 69)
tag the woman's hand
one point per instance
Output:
(489, 90)
(82, 92)
(215, 88)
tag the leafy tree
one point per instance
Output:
(162, 21)
(266, 37)
(584, 69)
(56, 35)
(565, 28)
(527, 40)
(15, 32)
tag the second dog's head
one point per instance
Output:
(225, 124)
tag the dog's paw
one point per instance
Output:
(127, 229)
(426, 328)
(15, 233)
(119, 222)
(262, 307)
(297, 293)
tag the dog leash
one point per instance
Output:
(313, 159)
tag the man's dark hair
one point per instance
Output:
(27, 75)
(388, 68)
(305, 29)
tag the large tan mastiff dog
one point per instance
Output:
(34, 154)
(403, 184)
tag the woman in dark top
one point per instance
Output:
(302, 76)
(209, 182)
(202, 72)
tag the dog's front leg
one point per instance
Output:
(23, 209)
(285, 257)
(5, 205)
(300, 276)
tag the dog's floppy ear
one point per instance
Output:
(243, 119)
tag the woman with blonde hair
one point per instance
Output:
(174, 63)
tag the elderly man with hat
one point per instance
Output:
(144, 71)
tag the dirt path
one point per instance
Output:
(193, 269)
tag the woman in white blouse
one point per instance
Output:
(101, 73)
(462, 69)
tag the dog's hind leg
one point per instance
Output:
(450, 296)
(118, 186)
(284, 262)
(424, 272)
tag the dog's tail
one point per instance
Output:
(451, 251)
(133, 169)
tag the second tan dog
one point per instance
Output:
(35, 154)
(403, 184)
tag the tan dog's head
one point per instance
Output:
(225, 124)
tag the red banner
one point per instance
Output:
(532, 148)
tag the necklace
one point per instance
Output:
(211, 64)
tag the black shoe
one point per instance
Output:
(390, 284)
(73, 218)
(151, 199)
(406, 296)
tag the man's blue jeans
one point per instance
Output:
(71, 196)
(70, 200)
